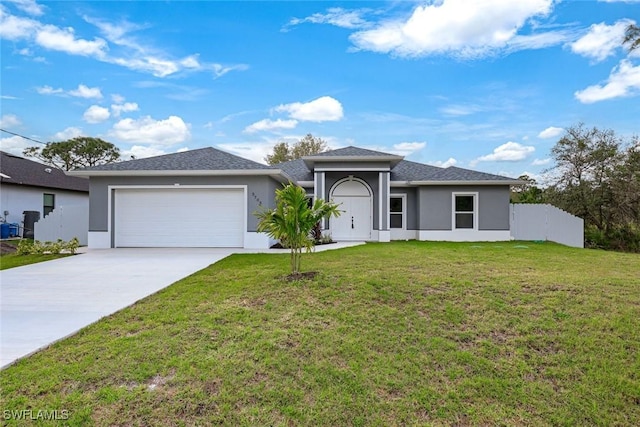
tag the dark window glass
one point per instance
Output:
(395, 204)
(464, 203)
(49, 204)
(464, 220)
(396, 221)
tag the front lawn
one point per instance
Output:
(14, 260)
(387, 334)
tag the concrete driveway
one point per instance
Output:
(43, 303)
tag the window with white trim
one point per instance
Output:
(397, 208)
(465, 212)
(48, 203)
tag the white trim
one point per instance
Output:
(389, 201)
(356, 158)
(346, 169)
(403, 196)
(111, 188)
(384, 236)
(465, 235)
(380, 201)
(398, 234)
(471, 182)
(475, 196)
(307, 184)
(99, 240)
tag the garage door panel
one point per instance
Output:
(179, 217)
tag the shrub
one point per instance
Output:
(28, 247)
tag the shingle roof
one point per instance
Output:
(453, 173)
(200, 159)
(353, 151)
(412, 171)
(405, 170)
(296, 169)
(22, 171)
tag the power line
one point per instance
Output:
(22, 136)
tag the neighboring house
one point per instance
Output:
(207, 198)
(26, 185)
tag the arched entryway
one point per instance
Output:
(355, 200)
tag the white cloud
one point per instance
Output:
(624, 80)
(255, 151)
(126, 107)
(8, 121)
(14, 145)
(449, 162)
(14, 27)
(322, 109)
(146, 130)
(96, 114)
(48, 90)
(68, 133)
(550, 132)
(601, 41)
(86, 92)
(406, 148)
(64, 40)
(459, 28)
(117, 98)
(334, 16)
(267, 124)
(82, 91)
(541, 162)
(29, 6)
(508, 152)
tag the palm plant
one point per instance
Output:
(292, 221)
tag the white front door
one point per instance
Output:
(354, 222)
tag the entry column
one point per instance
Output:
(384, 233)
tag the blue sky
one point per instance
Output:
(485, 85)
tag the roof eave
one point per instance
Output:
(470, 182)
(277, 174)
(311, 160)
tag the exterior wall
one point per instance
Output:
(260, 193)
(435, 207)
(65, 222)
(19, 198)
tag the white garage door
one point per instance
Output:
(179, 217)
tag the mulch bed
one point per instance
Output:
(279, 246)
(7, 248)
(307, 275)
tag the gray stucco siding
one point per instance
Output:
(260, 193)
(435, 206)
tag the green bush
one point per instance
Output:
(28, 247)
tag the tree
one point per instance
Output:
(632, 37)
(75, 153)
(292, 221)
(598, 179)
(307, 146)
(528, 192)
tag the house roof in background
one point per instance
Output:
(20, 171)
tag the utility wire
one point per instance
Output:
(25, 137)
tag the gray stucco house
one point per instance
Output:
(207, 197)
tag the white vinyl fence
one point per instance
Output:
(546, 222)
(64, 222)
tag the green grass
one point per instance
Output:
(14, 260)
(407, 333)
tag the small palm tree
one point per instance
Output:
(292, 220)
